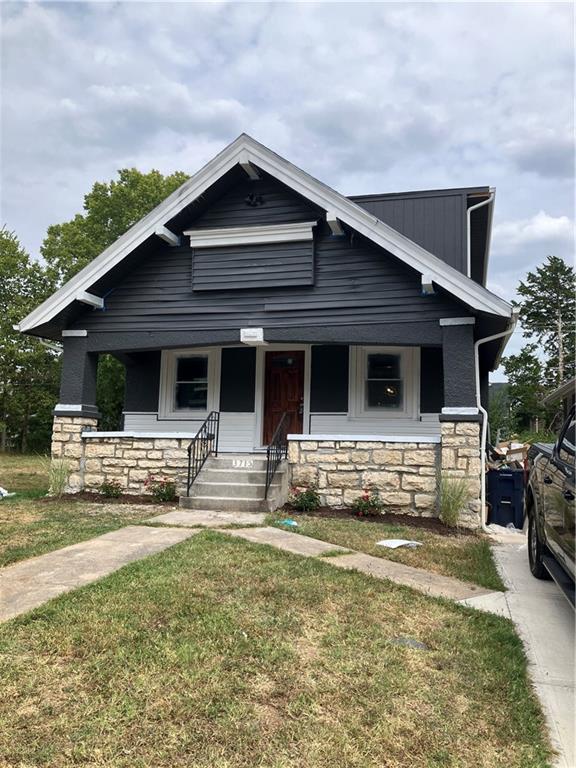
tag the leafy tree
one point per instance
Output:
(526, 387)
(110, 208)
(499, 416)
(29, 370)
(547, 313)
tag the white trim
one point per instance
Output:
(169, 357)
(260, 386)
(147, 435)
(333, 223)
(90, 299)
(247, 167)
(457, 321)
(66, 407)
(474, 295)
(464, 411)
(264, 233)
(168, 236)
(427, 285)
(253, 337)
(73, 334)
(370, 438)
(410, 374)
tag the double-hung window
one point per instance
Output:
(191, 385)
(385, 382)
(188, 383)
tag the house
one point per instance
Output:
(564, 396)
(255, 291)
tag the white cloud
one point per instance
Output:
(538, 230)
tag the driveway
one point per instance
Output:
(545, 622)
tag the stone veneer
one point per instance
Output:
(128, 460)
(405, 474)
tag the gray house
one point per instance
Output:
(260, 313)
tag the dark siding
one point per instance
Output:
(431, 380)
(436, 222)
(280, 205)
(355, 283)
(142, 382)
(238, 380)
(270, 265)
(329, 379)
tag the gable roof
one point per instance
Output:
(246, 150)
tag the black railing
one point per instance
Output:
(277, 450)
(203, 445)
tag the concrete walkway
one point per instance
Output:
(424, 581)
(30, 583)
(545, 622)
(207, 518)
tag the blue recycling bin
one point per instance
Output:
(505, 493)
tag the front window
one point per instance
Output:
(191, 386)
(384, 385)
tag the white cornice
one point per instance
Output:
(245, 149)
(270, 233)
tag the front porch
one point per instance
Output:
(359, 415)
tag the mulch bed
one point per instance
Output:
(98, 498)
(432, 524)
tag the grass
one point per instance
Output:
(30, 526)
(466, 557)
(239, 656)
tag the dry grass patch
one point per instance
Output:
(218, 653)
(466, 557)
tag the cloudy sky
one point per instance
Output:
(379, 97)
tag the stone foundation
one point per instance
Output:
(127, 460)
(403, 473)
(460, 457)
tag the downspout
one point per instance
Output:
(468, 243)
(484, 412)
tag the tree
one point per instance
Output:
(28, 369)
(547, 313)
(526, 387)
(110, 208)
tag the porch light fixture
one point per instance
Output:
(253, 337)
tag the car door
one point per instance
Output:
(559, 496)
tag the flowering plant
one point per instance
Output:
(111, 489)
(305, 499)
(161, 488)
(369, 503)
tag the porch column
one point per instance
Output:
(76, 410)
(460, 419)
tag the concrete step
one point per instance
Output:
(231, 490)
(217, 475)
(246, 461)
(224, 504)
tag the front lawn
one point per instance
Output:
(222, 654)
(24, 474)
(464, 556)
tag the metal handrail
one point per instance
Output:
(203, 445)
(276, 451)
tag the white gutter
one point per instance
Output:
(468, 243)
(484, 413)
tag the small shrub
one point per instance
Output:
(453, 495)
(369, 503)
(161, 488)
(304, 499)
(111, 489)
(58, 471)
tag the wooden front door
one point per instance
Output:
(283, 391)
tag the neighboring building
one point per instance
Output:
(255, 290)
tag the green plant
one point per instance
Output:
(453, 494)
(58, 471)
(161, 488)
(369, 503)
(304, 499)
(111, 489)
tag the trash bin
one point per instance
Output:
(506, 496)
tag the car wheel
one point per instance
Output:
(536, 550)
